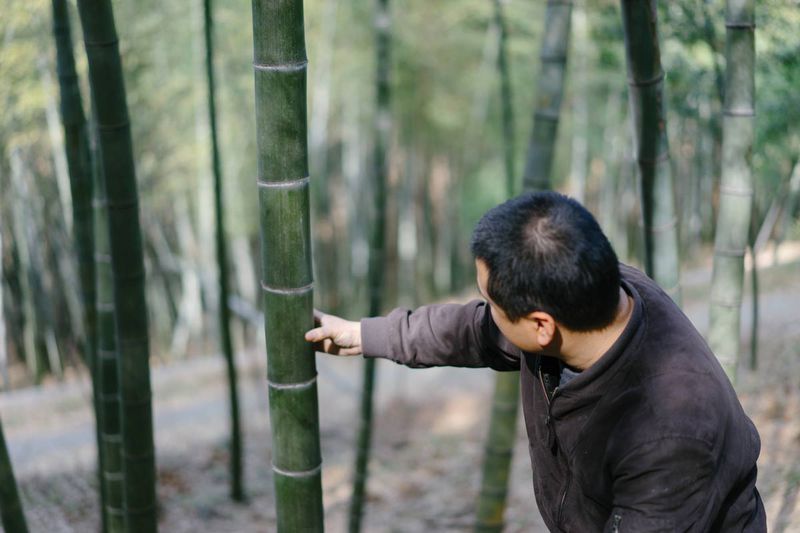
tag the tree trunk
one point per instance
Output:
(13, 517)
(280, 85)
(127, 262)
(377, 250)
(237, 488)
(646, 90)
(736, 188)
(549, 90)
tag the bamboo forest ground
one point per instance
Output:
(427, 448)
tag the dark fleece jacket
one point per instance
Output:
(650, 438)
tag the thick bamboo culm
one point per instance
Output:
(736, 187)
(11, 513)
(226, 343)
(107, 362)
(127, 263)
(280, 70)
(499, 450)
(377, 251)
(646, 95)
(76, 144)
(549, 90)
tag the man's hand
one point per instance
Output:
(335, 335)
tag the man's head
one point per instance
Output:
(544, 253)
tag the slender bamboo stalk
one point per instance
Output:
(11, 513)
(499, 450)
(3, 351)
(107, 357)
(498, 453)
(646, 89)
(736, 187)
(80, 176)
(283, 183)
(549, 90)
(505, 97)
(127, 263)
(754, 288)
(237, 488)
(377, 250)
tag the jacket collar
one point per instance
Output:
(589, 385)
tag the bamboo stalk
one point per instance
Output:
(736, 188)
(107, 359)
(549, 90)
(505, 97)
(76, 144)
(11, 512)
(280, 67)
(127, 264)
(646, 89)
(237, 486)
(377, 251)
(499, 450)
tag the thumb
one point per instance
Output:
(316, 334)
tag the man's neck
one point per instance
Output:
(580, 350)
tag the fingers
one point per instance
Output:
(318, 317)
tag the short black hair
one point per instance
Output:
(545, 252)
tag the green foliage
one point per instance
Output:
(445, 99)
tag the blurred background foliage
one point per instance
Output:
(446, 154)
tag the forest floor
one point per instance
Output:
(430, 427)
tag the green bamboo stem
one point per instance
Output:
(80, 176)
(736, 187)
(498, 453)
(107, 362)
(127, 263)
(754, 288)
(11, 513)
(377, 251)
(280, 69)
(499, 450)
(505, 97)
(237, 486)
(646, 89)
(549, 90)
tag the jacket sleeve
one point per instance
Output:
(440, 335)
(665, 485)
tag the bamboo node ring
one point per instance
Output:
(292, 386)
(288, 290)
(297, 473)
(285, 184)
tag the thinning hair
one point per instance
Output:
(545, 252)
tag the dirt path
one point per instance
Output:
(428, 445)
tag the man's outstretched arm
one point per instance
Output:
(433, 335)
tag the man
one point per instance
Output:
(632, 423)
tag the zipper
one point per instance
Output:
(563, 501)
(548, 421)
(615, 523)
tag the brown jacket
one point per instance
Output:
(650, 438)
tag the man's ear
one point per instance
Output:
(544, 327)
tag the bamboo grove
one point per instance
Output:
(157, 249)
